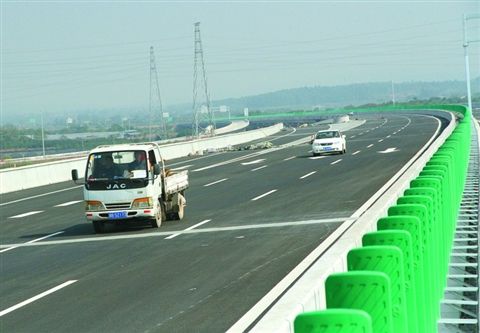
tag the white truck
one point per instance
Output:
(129, 181)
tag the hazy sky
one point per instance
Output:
(90, 55)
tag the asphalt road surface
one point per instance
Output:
(245, 211)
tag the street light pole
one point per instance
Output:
(465, 48)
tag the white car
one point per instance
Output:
(329, 141)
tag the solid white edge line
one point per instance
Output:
(215, 182)
(307, 175)
(168, 233)
(189, 228)
(263, 195)
(32, 241)
(33, 299)
(26, 214)
(39, 195)
(255, 312)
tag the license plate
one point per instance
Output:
(117, 215)
(327, 148)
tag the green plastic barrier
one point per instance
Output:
(438, 225)
(433, 249)
(435, 176)
(403, 241)
(333, 321)
(389, 260)
(413, 226)
(429, 263)
(362, 290)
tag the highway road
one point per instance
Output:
(252, 215)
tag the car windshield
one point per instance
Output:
(117, 165)
(327, 135)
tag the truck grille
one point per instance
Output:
(119, 205)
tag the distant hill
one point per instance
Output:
(352, 94)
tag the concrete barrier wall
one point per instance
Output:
(232, 127)
(15, 179)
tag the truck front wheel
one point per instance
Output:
(159, 216)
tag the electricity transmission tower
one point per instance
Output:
(201, 112)
(155, 99)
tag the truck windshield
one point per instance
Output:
(327, 135)
(117, 165)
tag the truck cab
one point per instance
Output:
(124, 182)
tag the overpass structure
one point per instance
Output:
(274, 240)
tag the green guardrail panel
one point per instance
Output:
(429, 264)
(333, 321)
(389, 260)
(402, 240)
(438, 225)
(433, 249)
(445, 190)
(362, 290)
(413, 226)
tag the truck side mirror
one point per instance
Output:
(157, 169)
(74, 175)
(343, 136)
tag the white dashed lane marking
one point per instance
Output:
(68, 203)
(262, 167)
(307, 175)
(380, 140)
(335, 162)
(254, 162)
(355, 153)
(216, 182)
(183, 167)
(33, 299)
(190, 228)
(290, 158)
(26, 214)
(264, 195)
(371, 145)
(316, 157)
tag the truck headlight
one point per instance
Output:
(91, 205)
(142, 203)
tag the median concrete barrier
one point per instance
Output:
(15, 179)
